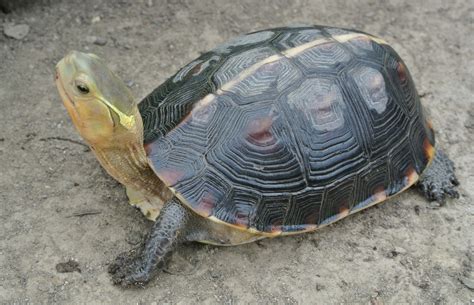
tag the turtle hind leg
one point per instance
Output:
(439, 181)
(136, 268)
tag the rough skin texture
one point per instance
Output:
(138, 267)
(439, 180)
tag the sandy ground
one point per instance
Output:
(403, 251)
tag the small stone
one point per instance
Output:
(424, 285)
(417, 209)
(100, 41)
(16, 31)
(396, 251)
(69, 266)
(400, 250)
(95, 19)
(376, 301)
(434, 205)
(392, 254)
(468, 282)
(449, 218)
(97, 40)
(130, 83)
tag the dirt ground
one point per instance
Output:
(57, 204)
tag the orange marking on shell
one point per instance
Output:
(170, 177)
(402, 72)
(428, 149)
(343, 212)
(259, 129)
(411, 175)
(312, 218)
(196, 69)
(276, 227)
(147, 147)
(206, 204)
(241, 220)
(379, 194)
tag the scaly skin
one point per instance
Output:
(439, 180)
(138, 268)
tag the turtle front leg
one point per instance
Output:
(439, 180)
(169, 230)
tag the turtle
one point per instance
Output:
(277, 132)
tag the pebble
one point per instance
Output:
(417, 209)
(434, 205)
(392, 254)
(130, 83)
(97, 40)
(95, 19)
(16, 31)
(396, 251)
(468, 282)
(400, 250)
(69, 266)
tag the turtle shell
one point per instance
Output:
(288, 129)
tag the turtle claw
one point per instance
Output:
(139, 266)
(435, 191)
(439, 180)
(454, 180)
(128, 270)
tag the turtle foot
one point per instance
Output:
(137, 268)
(439, 180)
(129, 270)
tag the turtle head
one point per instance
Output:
(100, 105)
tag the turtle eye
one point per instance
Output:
(82, 88)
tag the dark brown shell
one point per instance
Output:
(288, 129)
